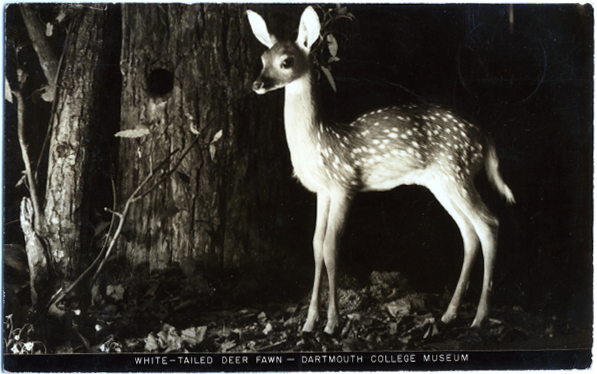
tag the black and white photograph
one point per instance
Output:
(297, 187)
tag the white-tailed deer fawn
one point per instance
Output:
(383, 149)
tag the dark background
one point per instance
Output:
(530, 87)
(529, 84)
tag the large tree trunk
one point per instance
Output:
(67, 197)
(192, 66)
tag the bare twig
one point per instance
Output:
(28, 172)
(135, 195)
(172, 170)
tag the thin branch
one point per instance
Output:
(28, 172)
(47, 58)
(172, 170)
(136, 195)
(121, 221)
(59, 296)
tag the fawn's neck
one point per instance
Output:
(300, 114)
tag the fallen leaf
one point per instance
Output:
(399, 307)
(227, 346)
(115, 292)
(151, 343)
(194, 335)
(267, 328)
(393, 328)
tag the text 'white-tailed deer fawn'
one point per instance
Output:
(383, 149)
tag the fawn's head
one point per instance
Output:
(284, 62)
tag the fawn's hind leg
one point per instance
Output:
(485, 224)
(470, 241)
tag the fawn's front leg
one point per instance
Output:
(340, 202)
(331, 217)
(323, 207)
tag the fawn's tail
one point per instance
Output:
(491, 167)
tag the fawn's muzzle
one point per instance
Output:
(258, 86)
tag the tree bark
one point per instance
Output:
(191, 66)
(76, 112)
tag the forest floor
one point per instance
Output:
(170, 312)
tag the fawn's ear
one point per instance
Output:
(260, 29)
(309, 28)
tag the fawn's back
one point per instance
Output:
(393, 146)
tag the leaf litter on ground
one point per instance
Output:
(170, 312)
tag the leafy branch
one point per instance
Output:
(326, 51)
(161, 174)
(155, 177)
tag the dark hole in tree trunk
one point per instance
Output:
(160, 82)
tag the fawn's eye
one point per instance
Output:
(287, 63)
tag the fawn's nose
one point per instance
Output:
(258, 85)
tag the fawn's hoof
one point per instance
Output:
(449, 317)
(309, 325)
(478, 322)
(332, 326)
(480, 318)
